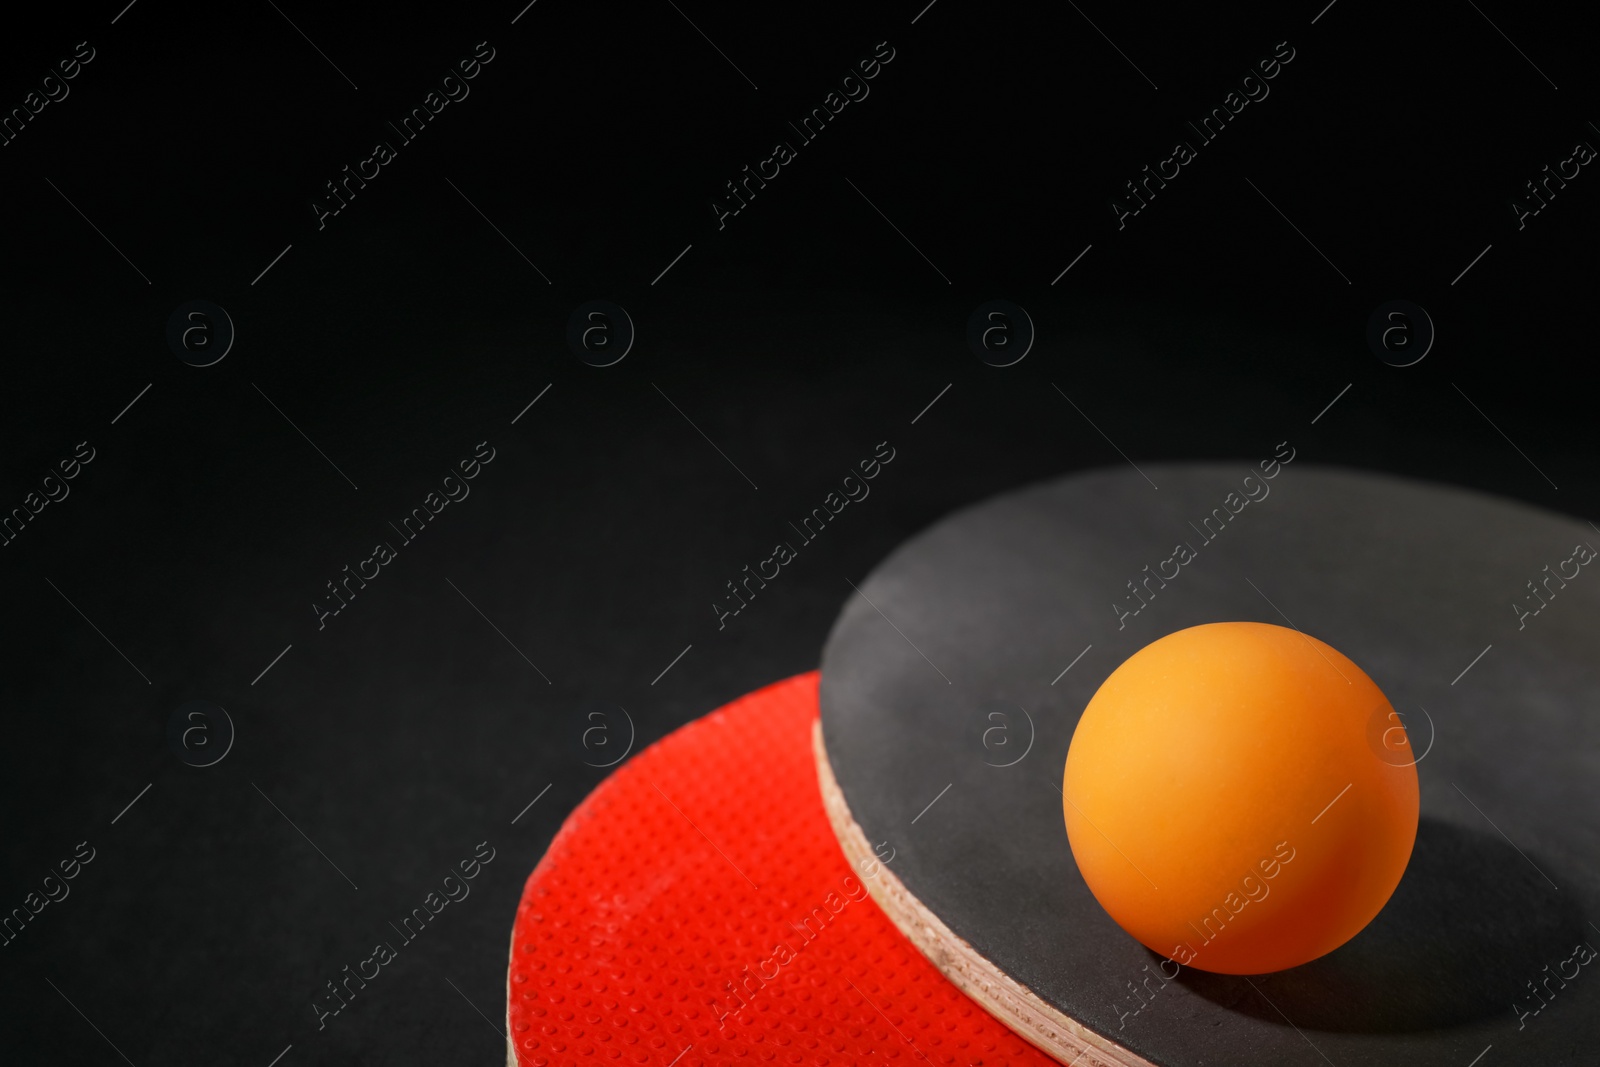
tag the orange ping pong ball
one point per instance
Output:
(1240, 797)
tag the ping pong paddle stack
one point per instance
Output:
(871, 863)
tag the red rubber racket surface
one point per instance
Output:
(649, 933)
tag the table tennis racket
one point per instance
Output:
(695, 909)
(954, 677)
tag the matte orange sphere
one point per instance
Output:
(1240, 797)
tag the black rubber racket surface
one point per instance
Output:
(1007, 609)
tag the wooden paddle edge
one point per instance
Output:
(1053, 1032)
(511, 1045)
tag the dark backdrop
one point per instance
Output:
(379, 350)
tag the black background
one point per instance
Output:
(796, 338)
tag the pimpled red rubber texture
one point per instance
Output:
(689, 865)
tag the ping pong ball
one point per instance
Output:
(1227, 804)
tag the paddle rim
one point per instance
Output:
(1028, 1015)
